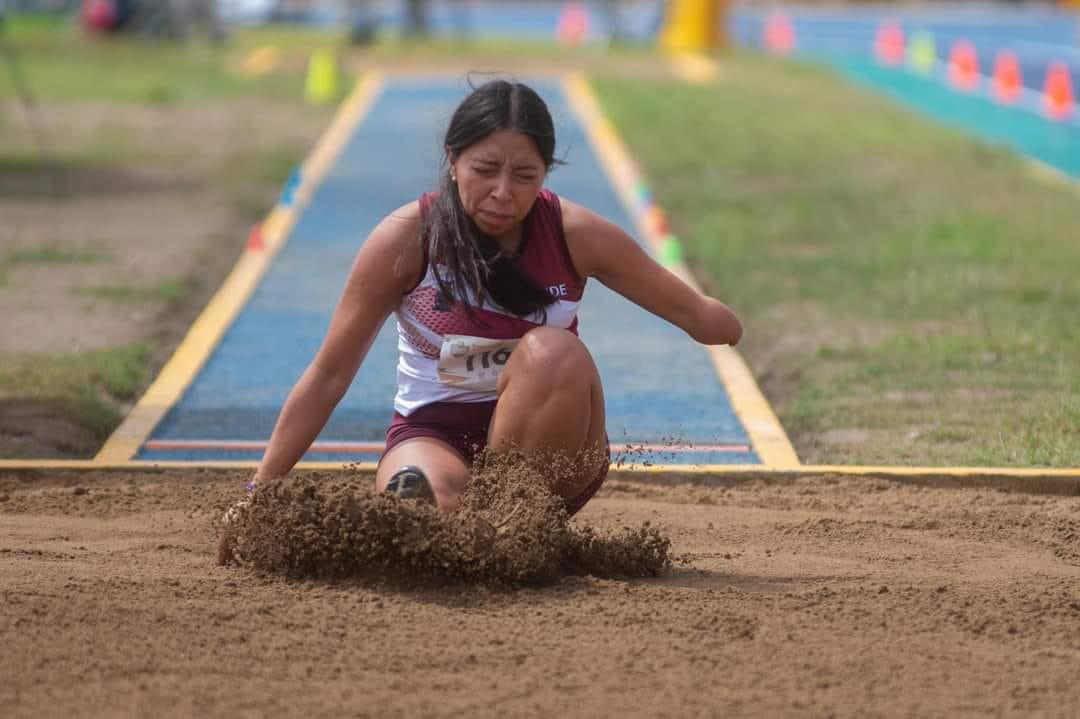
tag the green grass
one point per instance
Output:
(922, 284)
(247, 175)
(92, 386)
(496, 50)
(271, 166)
(61, 63)
(170, 290)
(55, 256)
(48, 255)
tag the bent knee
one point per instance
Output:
(551, 349)
(550, 356)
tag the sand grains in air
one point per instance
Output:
(511, 527)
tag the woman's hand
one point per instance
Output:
(237, 509)
(230, 521)
(388, 265)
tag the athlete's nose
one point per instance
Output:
(501, 190)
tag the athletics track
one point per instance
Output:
(666, 402)
(845, 39)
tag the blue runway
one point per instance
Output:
(662, 391)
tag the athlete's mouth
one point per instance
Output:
(496, 216)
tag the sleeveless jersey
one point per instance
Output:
(444, 355)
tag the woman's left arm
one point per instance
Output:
(601, 249)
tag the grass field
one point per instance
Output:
(909, 293)
(65, 64)
(128, 124)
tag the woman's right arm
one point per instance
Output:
(387, 266)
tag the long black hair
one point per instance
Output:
(472, 258)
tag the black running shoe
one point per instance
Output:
(411, 483)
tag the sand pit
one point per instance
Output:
(511, 529)
(816, 597)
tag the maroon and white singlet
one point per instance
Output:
(444, 355)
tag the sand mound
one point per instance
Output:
(511, 528)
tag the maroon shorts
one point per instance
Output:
(464, 426)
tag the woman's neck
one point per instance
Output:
(510, 242)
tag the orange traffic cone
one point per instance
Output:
(779, 34)
(964, 66)
(1058, 97)
(255, 241)
(889, 43)
(573, 24)
(1007, 82)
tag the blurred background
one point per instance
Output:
(826, 26)
(910, 286)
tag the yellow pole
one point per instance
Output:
(695, 25)
(321, 85)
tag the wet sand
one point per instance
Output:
(815, 597)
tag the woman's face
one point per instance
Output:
(498, 179)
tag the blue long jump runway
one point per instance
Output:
(663, 396)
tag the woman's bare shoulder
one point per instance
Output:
(399, 229)
(404, 220)
(579, 219)
(590, 237)
(394, 248)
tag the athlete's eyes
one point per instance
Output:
(492, 170)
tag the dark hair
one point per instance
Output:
(470, 256)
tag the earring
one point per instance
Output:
(453, 177)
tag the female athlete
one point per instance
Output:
(484, 277)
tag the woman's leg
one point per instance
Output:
(551, 400)
(444, 466)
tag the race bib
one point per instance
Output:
(473, 362)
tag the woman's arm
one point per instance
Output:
(601, 249)
(388, 265)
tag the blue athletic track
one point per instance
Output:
(844, 38)
(1038, 36)
(662, 391)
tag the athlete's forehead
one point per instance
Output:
(505, 146)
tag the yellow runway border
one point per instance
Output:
(1027, 480)
(681, 470)
(210, 326)
(766, 433)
